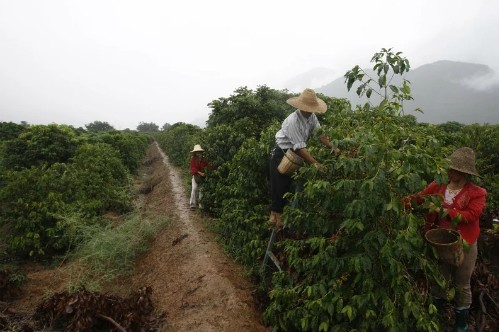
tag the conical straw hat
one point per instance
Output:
(197, 148)
(308, 101)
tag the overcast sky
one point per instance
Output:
(126, 62)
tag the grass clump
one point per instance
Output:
(110, 252)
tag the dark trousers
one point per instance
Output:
(279, 184)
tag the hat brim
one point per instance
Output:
(466, 171)
(296, 102)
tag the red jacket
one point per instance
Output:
(469, 203)
(197, 165)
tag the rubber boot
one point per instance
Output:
(461, 320)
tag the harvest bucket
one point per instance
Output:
(290, 163)
(448, 243)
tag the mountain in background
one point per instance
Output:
(444, 91)
(314, 77)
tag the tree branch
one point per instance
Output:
(112, 321)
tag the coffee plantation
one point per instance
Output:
(352, 256)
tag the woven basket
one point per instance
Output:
(290, 163)
(449, 245)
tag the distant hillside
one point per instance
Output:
(444, 90)
(314, 77)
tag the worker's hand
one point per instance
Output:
(434, 208)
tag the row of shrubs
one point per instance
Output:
(352, 257)
(48, 172)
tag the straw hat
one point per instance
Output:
(197, 148)
(463, 160)
(307, 101)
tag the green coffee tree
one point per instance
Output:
(37, 192)
(39, 145)
(131, 146)
(356, 259)
(147, 127)
(10, 130)
(99, 126)
(242, 199)
(387, 65)
(260, 107)
(243, 116)
(98, 180)
(32, 201)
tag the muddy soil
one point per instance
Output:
(193, 281)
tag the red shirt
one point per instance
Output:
(197, 165)
(469, 203)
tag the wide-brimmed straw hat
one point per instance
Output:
(197, 148)
(463, 160)
(308, 101)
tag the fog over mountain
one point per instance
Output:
(443, 90)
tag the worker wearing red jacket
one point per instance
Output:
(198, 164)
(462, 201)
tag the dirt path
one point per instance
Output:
(192, 279)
